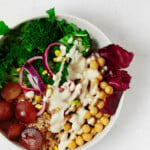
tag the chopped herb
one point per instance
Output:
(75, 102)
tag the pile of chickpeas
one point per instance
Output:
(95, 120)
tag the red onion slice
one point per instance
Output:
(34, 58)
(30, 69)
(21, 76)
(32, 82)
(45, 57)
(31, 89)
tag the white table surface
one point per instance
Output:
(125, 22)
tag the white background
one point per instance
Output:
(125, 22)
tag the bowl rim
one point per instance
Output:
(114, 118)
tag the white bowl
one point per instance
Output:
(102, 41)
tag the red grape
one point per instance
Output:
(6, 110)
(31, 139)
(25, 112)
(4, 125)
(15, 131)
(11, 91)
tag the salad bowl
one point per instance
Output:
(101, 41)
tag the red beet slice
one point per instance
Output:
(31, 139)
(111, 103)
(25, 112)
(15, 131)
(6, 111)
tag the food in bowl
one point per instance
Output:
(58, 90)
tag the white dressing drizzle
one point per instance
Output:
(78, 69)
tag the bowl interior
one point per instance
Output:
(101, 40)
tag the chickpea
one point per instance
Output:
(93, 131)
(94, 110)
(72, 145)
(101, 61)
(99, 115)
(86, 128)
(99, 127)
(87, 137)
(109, 89)
(67, 126)
(102, 95)
(79, 140)
(93, 65)
(87, 115)
(103, 84)
(101, 104)
(104, 120)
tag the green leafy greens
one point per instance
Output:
(30, 39)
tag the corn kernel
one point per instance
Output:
(55, 147)
(87, 137)
(67, 126)
(93, 65)
(57, 53)
(99, 127)
(38, 106)
(59, 59)
(102, 95)
(86, 128)
(104, 120)
(55, 59)
(49, 86)
(44, 72)
(94, 110)
(103, 84)
(38, 99)
(72, 145)
(87, 115)
(98, 115)
(18, 69)
(109, 89)
(79, 141)
(101, 104)
(101, 61)
(45, 113)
